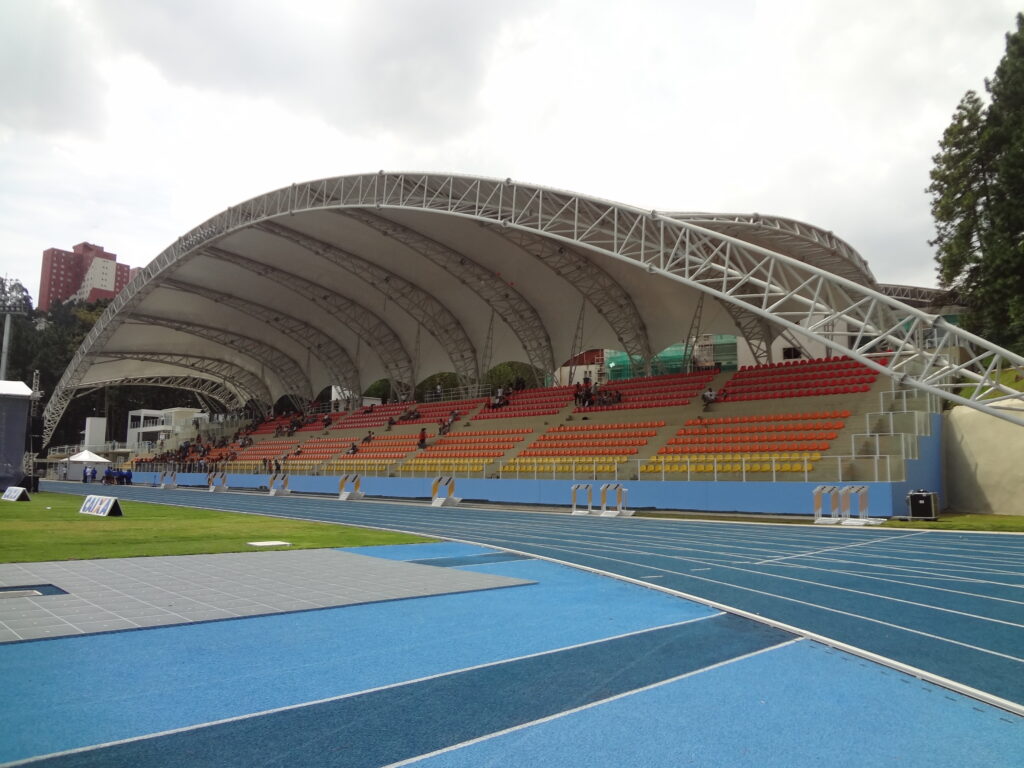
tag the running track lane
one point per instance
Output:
(405, 721)
(949, 604)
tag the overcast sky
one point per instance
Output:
(126, 123)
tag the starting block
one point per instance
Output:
(861, 492)
(212, 480)
(355, 493)
(281, 490)
(449, 500)
(620, 501)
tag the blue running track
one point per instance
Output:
(573, 670)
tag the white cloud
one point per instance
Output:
(48, 83)
(128, 122)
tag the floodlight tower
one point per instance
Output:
(9, 305)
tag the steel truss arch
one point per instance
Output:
(138, 288)
(599, 288)
(755, 329)
(916, 296)
(509, 304)
(296, 382)
(829, 252)
(215, 390)
(921, 350)
(335, 359)
(374, 332)
(432, 315)
(249, 386)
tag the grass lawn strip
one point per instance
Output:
(50, 527)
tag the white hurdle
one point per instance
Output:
(620, 501)
(449, 500)
(355, 493)
(168, 479)
(820, 493)
(589, 488)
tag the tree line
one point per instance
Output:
(977, 202)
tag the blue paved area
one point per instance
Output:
(391, 724)
(798, 705)
(71, 692)
(946, 603)
(573, 670)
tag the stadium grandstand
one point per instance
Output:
(796, 368)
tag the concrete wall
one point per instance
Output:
(983, 462)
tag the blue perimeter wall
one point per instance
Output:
(780, 498)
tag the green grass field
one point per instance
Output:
(946, 522)
(998, 523)
(50, 527)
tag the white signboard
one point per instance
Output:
(15, 493)
(101, 506)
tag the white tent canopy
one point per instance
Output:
(87, 457)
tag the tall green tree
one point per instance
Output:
(977, 193)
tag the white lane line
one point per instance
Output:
(275, 710)
(595, 549)
(831, 549)
(803, 602)
(591, 705)
(823, 585)
(889, 578)
(924, 573)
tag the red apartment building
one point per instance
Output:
(85, 273)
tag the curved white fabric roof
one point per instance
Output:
(352, 279)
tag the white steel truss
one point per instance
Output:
(334, 358)
(508, 303)
(794, 238)
(915, 348)
(214, 390)
(247, 384)
(375, 333)
(916, 296)
(432, 315)
(297, 383)
(598, 287)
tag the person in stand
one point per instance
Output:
(423, 438)
(708, 397)
(369, 437)
(352, 449)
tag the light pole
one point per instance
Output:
(9, 305)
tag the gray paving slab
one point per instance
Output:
(132, 593)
